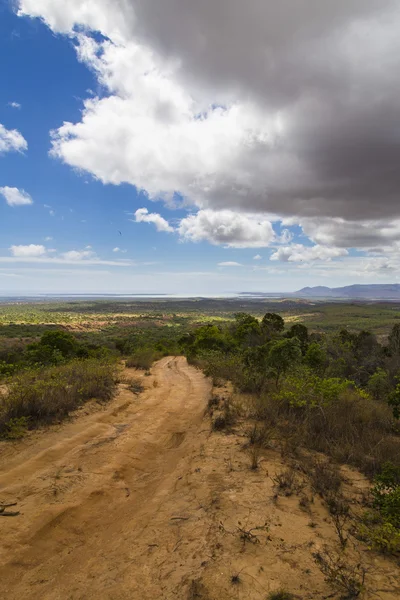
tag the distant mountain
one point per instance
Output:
(380, 291)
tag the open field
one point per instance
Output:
(26, 319)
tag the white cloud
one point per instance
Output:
(29, 251)
(73, 255)
(230, 263)
(37, 253)
(234, 106)
(257, 257)
(228, 228)
(117, 249)
(14, 105)
(11, 140)
(52, 213)
(299, 253)
(48, 238)
(142, 215)
(15, 197)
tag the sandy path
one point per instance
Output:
(95, 494)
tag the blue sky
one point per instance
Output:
(137, 194)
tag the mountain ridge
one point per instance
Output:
(372, 291)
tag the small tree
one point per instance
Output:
(394, 401)
(379, 384)
(272, 324)
(315, 357)
(394, 340)
(282, 355)
(301, 333)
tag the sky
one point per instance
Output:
(198, 148)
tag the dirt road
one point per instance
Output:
(99, 496)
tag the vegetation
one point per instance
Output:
(50, 394)
(311, 382)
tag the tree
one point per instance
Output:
(62, 341)
(394, 401)
(273, 323)
(247, 329)
(315, 357)
(379, 384)
(301, 333)
(394, 339)
(282, 355)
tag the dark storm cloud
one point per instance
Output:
(328, 71)
(330, 68)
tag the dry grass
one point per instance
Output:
(51, 394)
(354, 430)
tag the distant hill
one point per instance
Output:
(384, 291)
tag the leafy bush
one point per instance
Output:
(50, 394)
(386, 494)
(15, 428)
(142, 359)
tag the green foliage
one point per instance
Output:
(394, 339)
(15, 428)
(386, 494)
(379, 384)
(315, 357)
(272, 323)
(59, 340)
(246, 329)
(282, 355)
(385, 537)
(142, 359)
(304, 388)
(381, 527)
(394, 401)
(299, 331)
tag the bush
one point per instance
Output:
(50, 394)
(352, 429)
(142, 359)
(386, 494)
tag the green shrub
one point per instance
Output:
(15, 428)
(383, 537)
(50, 394)
(386, 494)
(142, 359)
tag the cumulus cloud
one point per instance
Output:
(15, 197)
(281, 108)
(142, 215)
(299, 253)
(257, 257)
(78, 254)
(14, 105)
(227, 228)
(29, 251)
(230, 263)
(11, 140)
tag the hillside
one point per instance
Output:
(375, 291)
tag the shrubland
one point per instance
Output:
(336, 394)
(49, 394)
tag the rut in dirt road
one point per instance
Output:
(95, 495)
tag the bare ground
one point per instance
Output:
(138, 500)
